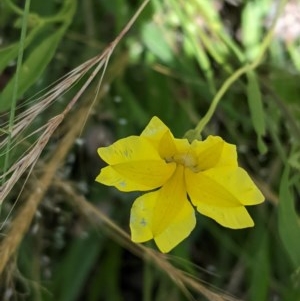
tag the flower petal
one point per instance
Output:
(135, 165)
(166, 146)
(166, 214)
(214, 151)
(178, 230)
(238, 182)
(136, 175)
(133, 148)
(207, 152)
(203, 189)
(155, 129)
(231, 217)
(141, 217)
(159, 135)
(182, 145)
(228, 156)
(222, 187)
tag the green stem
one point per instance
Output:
(203, 122)
(14, 7)
(236, 75)
(147, 282)
(15, 87)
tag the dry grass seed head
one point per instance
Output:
(23, 219)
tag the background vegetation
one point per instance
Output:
(62, 236)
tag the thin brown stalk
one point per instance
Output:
(24, 217)
(182, 279)
(27, 162)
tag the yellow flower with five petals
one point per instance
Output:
(180, 176)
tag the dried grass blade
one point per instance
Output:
(182, 279)
(100, 61)
(22, 221)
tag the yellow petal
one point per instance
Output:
(166, 214)
(228, 156)
(203, 189)
(214, 151)
(160, 136)
(182, 145)
(222, 187)
(207, 152)
(128, 149)
(166, 146)
(231, 217)
(163, 140)
(155, 129)
(141, 217)
(178, 230)
(136, 175)
(238, 183)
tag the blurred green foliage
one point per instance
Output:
(180, 54)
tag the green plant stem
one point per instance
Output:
(14, 7)
(16, 84)
(147, 281)
(237, 74)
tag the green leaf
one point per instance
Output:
(256, 108)
(251, 29)
(156, 42)
(262, 147)
(73, 270)
(105, 283)
(294, 160)
(9, 53)
(33, 67)
(260, 265)
(289, 228)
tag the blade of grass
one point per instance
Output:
(69, 276)
(156, 43)
(251, 29)
(10, 52)
(15, 86)
(256, 109)
(192, 42)
(260, 265)
(39, 57)
(288, 221)
(32, 68)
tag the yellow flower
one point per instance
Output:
(182, 176)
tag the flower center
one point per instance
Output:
(185, 159)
